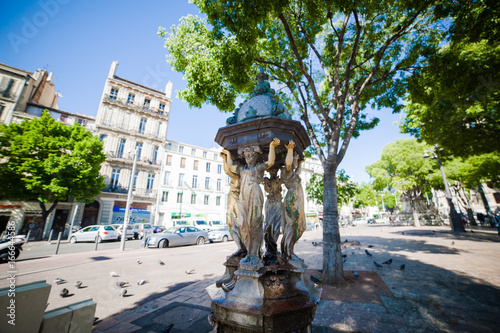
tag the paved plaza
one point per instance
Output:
(450, 283)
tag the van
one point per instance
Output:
(202, 224)
(142, 230)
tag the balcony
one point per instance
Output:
(138, 192)
(144, 109)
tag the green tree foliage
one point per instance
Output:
(46, 161)
(366, 196)
(346, 189)
(454, 101)
(402, 166)
(329, 61)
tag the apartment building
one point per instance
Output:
(132, 119)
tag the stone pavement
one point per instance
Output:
(450, 283)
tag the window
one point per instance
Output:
(125, 120)
(161, 107)
(63, 118)
(169, 146)
(181, 149)
(219, 184)
(166, 178)
(181, 179)
(219, 168)
(164, 196)
(169, 159)
(102, 138)
(134, 183)
(130, 99)
(193, 151)
(147, 103)
(195, 182)
(151, 181)
(195, 165)
(207, 183)
(155, 155)
(183, 162)
(207, 167)
(115, 176)
(81, 121)
(158, 127)
(215, 156)
(138, 149)
(121, 147)
(113, 93)
(142, 126)
(205, 200)
(179, 197)
(204, 154)
(217, 201)
(193, 198)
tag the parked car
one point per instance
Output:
(177, 236)
(142, 230)
(158, 228)
(119, 229)
(370, 221)
(93, 233)
(359, 221)
(221, 234)
(202, 224)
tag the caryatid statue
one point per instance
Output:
(232, 205)
(251, 200)
(295, 220)
(274, 212)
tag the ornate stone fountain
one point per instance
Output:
(263, 292)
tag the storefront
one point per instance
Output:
(137, 215)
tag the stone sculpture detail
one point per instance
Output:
(274, 212)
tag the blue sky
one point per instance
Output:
(78, 40)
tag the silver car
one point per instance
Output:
(93, 233)
(177, 236)
(220, 235)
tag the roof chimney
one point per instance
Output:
(112, 70)
(50, 76)
(168, 89)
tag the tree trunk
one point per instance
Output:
(414, 207)
(333, 271)
(45, 211)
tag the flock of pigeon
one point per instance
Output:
(317, 280)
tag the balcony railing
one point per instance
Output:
(142, 192)
(133, 106)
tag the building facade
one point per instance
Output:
(193, 185)
(132, 120)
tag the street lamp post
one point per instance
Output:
(129, 202)
(455, 220)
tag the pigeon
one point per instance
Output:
(139, 261)
(315, 280)
(368, 253)
(141, 282)
(64, 293)
(387, 262)
(377, 264)
(96, 319)
(344, 260)
(190, 271)
(471, 230)
(161, 262)
(352, 252)
(314, 243)
(121, 284)
(168, 328)
(402, 267)
(344, 256)
(355, 274)
(370, 246)
(59, 281)
(123, 292)
(114, 274)
(403, 233)
(346, 241)
(452, 242)
(78, 284)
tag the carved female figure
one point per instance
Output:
(295, 220)
(251, 200)
(274, 212)
(232, 205)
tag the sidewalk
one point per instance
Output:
(451, 283)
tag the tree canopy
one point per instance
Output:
(329, 62)
(47, 161)
(454, 101)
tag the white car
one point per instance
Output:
(220, 235)
(142, 230)
(119, 229)
(94, 233)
